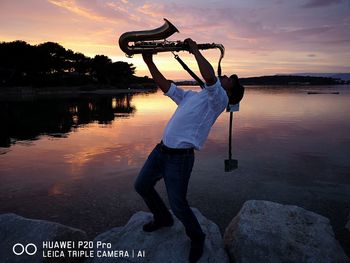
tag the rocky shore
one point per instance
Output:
(262, 231)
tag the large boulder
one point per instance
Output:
(168, 244)
(264, 231)
(18, 233)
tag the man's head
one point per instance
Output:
(234, 90)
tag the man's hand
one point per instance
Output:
(147, 57)
(193, 48)
(205, 68)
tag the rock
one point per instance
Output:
(15, 229)
(264, 231)
(164, 245)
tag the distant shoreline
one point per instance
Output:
(28, 91)
(277, 80)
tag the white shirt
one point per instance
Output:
(195, 115)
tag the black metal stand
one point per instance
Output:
(230, 164)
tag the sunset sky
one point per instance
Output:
(260, 37)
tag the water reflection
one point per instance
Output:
(292, 148)
(26, 120)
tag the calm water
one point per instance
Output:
(74, 160)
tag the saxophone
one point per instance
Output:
(155, 41)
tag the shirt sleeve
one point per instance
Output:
(217, 95)
(176, 94)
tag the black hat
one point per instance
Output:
(237, 90)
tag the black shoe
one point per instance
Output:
(196, 250)
(155, 225)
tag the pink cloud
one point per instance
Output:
(72, 6)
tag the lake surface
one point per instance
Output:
(74, 160)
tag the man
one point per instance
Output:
(173, 158)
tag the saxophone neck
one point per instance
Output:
(213, 45)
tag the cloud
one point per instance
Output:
(100, 11)
(73, 7)
(257, 35)
(320, 3)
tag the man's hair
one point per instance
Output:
(237, 90)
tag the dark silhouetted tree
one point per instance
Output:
(50, 64)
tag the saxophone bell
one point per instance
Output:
(144, 40)
(137, 42)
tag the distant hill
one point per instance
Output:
(290, 80)
(342, 76)
(283, 80)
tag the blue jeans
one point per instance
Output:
(176, 170)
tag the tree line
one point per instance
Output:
(50, 64)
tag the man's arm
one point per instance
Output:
(158, 77)
(205, 68)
